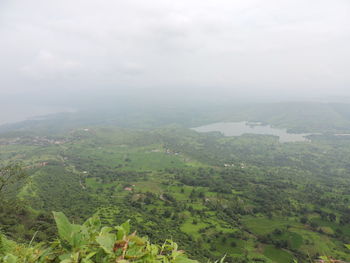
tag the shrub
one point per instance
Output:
(90, 242)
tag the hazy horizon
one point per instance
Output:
(64, 54)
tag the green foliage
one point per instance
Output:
(11, 174)
(17, 219)
(89, 243)
(20, 223)
(173, 183)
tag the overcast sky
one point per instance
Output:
(174, 47)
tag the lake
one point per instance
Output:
(240, 128)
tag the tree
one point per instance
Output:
(304, 220)
(11, 174)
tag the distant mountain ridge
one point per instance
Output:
(301, 117)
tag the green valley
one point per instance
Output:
(250, 197)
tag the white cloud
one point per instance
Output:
(289, 45)
(47, 65)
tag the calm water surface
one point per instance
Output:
(240, 128)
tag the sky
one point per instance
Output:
(61, 50)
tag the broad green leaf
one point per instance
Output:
(105, 230)
(120, 232)
(126, 227)
(63, 225)
(93, 223)
(9, 258)
(106, 241)
(78, 239)
(66, 230)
